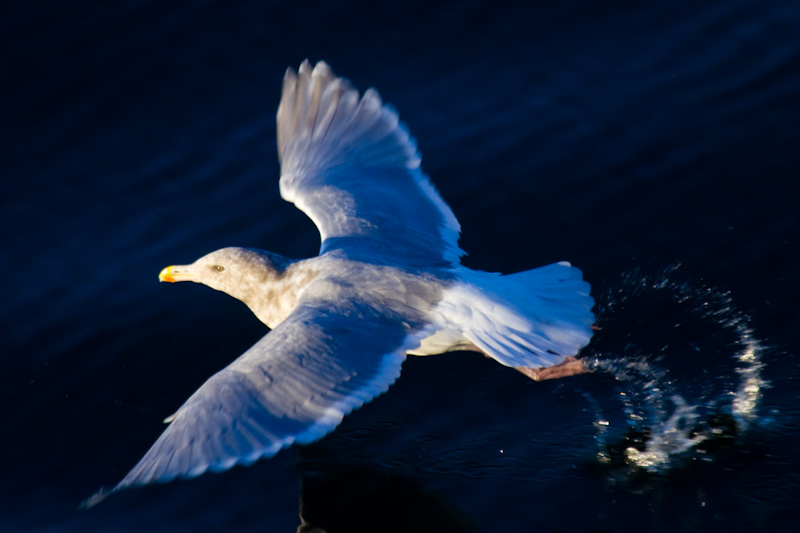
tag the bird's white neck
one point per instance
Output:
(278, 295)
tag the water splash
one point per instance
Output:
(687, 372)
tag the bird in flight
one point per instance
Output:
(387, 283)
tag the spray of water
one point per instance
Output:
(687, 373)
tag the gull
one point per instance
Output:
(387, 283)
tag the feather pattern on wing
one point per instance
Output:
(294, 385)
(352, 167)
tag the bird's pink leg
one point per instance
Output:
(568, 367)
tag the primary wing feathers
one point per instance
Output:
(351, 166)
(294, 385)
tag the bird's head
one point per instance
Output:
(235, 271)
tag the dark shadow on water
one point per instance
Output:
(340, 498)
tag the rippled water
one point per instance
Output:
(626, 138)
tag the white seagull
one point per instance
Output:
(387, 282)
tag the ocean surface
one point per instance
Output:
(655, 145)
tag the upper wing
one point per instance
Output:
(350, 165)
(294, 385)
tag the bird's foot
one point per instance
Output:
(568, 367)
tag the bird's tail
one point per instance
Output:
(530, 319)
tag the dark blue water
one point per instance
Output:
(655, 146)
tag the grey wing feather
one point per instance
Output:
(351, 166)
(294, 385)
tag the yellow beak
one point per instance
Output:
(174, 273)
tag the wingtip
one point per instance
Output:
(323, 70)
(95, 499)
(289, 75)
(320, 69)
(305, 68)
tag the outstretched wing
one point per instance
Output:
(294, 385)
(351, 166)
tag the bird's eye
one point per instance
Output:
(218, 268)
